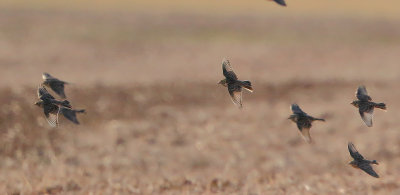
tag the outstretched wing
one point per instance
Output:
(235, 91)
(366, 167)
(362, 94)
(367, 116)
(43, 93)
(305, 133)
(58, 88)
(296, 109)
(51, 113)
(228, 70)
(280, 2)
(69, 114)
(353, 152)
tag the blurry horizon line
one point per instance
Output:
(342, 8)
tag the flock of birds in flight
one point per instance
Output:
(304, 121)
(53, 108)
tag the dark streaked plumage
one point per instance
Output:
(233, 84)
(303, 121)
(55, 84)
(50, 105)
(280, 2)
(50, 111)
(361, 163)
(366, 106)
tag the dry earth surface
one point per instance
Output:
(157, 122)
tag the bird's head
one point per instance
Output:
(353, 164)
(46, 75)
(375, 162)
(354, 103)
(292, 118)
(39, 103)
(222, 82)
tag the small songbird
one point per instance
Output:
(280, 2)
(52, 108)
(234, 85)
(50, 105)
(366, 106)
(55, 84)
(361, 163)
(303, 121)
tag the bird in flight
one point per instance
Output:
(52, 107)
(280, 2)
(361, 163)
(55, 84)
(233, 84)
(303, 121)
(366, 106)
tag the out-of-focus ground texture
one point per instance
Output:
(157, 122)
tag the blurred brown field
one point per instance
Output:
(158, 123)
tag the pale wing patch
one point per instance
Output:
(305, 132)
(41, 91)
(236, 97)
(228, 70)
(227, 65)
(249, 90)
(52, 119)
(367, 117)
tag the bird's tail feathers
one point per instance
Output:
(381, 106)
(66, 104)
(81, 111)
(247, 85)
(319, 119)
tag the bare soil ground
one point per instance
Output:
(157, 123)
